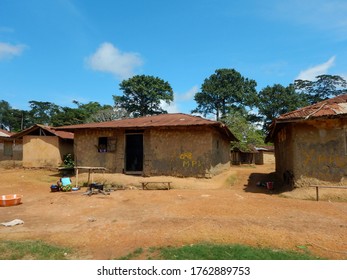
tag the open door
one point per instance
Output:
(134, 153)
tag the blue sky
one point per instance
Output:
(64, 50)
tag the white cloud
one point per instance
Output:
(312, 72)
(181, 101)
(170, 108)
(9, 51)
(108, 58)
(189, 95)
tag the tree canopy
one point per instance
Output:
(5, 114)
(143, 95)
(248, 133)
(226, 94)
(224, 90)
(42, 112)
(81, 114)
(276, 100)
(13, 119)
(108, 114)
(48, 113)
(325, 86)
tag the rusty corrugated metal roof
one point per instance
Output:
(331, 107)
(61, 134)
(5, 133)
(149, 121)
(335, 107)
(162, 120)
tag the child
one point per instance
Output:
(65, 184)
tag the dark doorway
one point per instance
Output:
(134, 152)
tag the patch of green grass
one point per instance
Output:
(229, 252)
(133, 254)
(31, 250)
(231, 180)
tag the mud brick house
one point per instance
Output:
(43, 146)
(243, 156)
(10, 149)
(167, 144)
(311, 142)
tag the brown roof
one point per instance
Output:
(51, 130)
(266, 148)
(5, 133)
(331, 107)
(335, 107)
(162, 120)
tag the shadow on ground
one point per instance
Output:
(262, 182)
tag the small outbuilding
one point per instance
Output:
(10, 149)
(166, 144)
(244, 155)
(265, 155)
(311, 142)
(43, 146)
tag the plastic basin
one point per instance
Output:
(10, 199)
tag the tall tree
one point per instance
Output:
(13, 119)
(5, 109)
(109, 114)
(248, 133)
(48, 113)
(20, 119)
(91, 107)
(42, 112)
(325, 86)
(276, 100)
(79, 115)
(142, 95)
(68, 116)
(224, 90)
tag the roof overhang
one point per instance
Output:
(279, 123)
(153, 122)
(45, 130)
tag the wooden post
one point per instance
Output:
(88, 176)
(76, 177)
(317, 194)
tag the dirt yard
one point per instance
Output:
(228, 208)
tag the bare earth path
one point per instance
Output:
(225, 209)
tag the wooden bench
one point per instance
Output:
(326, 187)
(146, 183)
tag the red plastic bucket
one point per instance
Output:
(269, 185)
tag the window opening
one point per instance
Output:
(102, 145)
(107, 144)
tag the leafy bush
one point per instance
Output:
(68, 160)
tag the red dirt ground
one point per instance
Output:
(228, 208)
